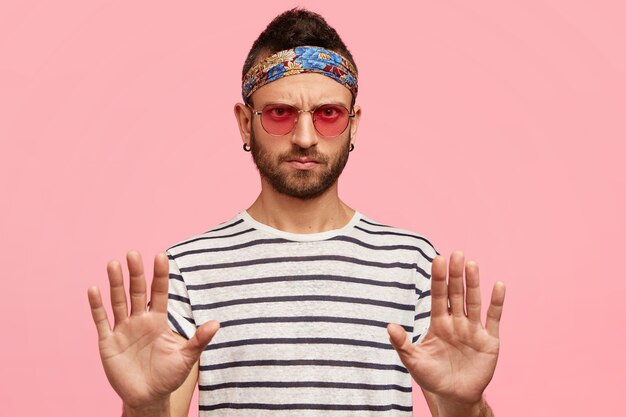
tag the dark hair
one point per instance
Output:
(293, 28)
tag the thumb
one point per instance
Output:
(400, 341)
(204, 334)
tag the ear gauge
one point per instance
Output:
(246, 147)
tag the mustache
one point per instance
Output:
(303, 153)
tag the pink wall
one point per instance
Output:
(497, 129)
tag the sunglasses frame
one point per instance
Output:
(351, 115)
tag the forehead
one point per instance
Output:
(303, 90)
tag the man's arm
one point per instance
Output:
(180, 399)
(457, 359)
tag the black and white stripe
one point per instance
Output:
(303, 317)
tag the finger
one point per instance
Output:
(439, 288)
(400, 340)
(137, 283)
(494, 313)
(98, 313)
(118, 293)
(472, 298)
(204, 334)
(456, 292)
(160, 284)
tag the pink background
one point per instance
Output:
(494, 128)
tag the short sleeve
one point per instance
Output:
(179, 312)
(422, 289)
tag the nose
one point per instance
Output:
(304, 134)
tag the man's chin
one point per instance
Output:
(303, 190)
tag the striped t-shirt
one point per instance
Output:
(303, 316)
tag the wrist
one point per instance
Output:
(460, 409)
(160, 408)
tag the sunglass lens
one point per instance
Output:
(330, 119)
(278, 119)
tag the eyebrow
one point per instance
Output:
(334, 102)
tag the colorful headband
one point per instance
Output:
(297, 61)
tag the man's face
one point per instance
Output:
(301, 164)
(300, 183)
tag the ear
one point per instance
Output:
(354, 125)
(244, 121)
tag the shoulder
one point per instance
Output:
(385, 234)
(218, 236)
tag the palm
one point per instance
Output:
(458, 356)
(142, 358)
(454, 358)
(145, 352)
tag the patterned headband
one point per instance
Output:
(297, 61)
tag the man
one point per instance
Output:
(320, 309)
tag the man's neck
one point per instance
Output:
(294, 215)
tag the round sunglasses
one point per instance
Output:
(329, 120)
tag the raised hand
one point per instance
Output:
(458, 356)
(143, 359)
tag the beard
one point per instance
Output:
(302, 184)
